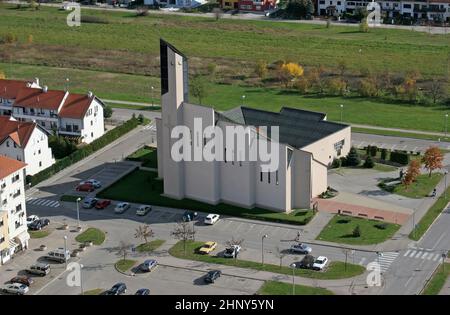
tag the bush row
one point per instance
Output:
(83, 152)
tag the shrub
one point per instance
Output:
(142, 11)
(383, 154)
(369, 163)
(336, 86)
(9, 38)
(353, 157)
(107, 111)
(336, 163)
(399, 157)
(373, 150)
(381, 226)
(343, 161)
(356, 231)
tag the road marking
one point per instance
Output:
(418, 254)
(436, 257)
(424, 255)
(386, 260)
(407, 252)
(362, 261)
(430, 256)
(412, 253)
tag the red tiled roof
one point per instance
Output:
(18, 131)
(37, 98)
(76, 106)
(9, 166)
(10, 88)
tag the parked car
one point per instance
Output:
(22, 280)
(189, 216)
(148, 265)
(44, 222)
(93, 182)
(38, 224)
(142, 292)
(85, 187)
(15, 288)
(207, 248)
(307, 262)
(212, 276)
(39, 269)
(102, 204)
(143, 210)
(121, 207)
(32, 218)
(117, 289)
(301, 248)
(59, 255)
(320, 263)
(232, 251)
(89, 203)
(211, 219)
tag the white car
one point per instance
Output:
(320, 263)
(15, 288)
(93, 182)
(32, 218)
(211, 219)
(232, 251)
(121, 207)
(143, 210)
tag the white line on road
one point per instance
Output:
(407, 252)
(418, 254)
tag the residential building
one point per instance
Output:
(175, 3)
(229, 4)
(248, 5)
(307, 145)
(26, 142)
(77, 116)
(438, 10)
(12, 207)
(9, 90)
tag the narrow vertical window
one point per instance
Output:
(225, 155)
(276, 177)
(260, 176)
(268, 177)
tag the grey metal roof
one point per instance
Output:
(297, 127)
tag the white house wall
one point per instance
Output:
(38, 155)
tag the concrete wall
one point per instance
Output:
(301, 179)
(38, 155)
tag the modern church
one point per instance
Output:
(307, 144)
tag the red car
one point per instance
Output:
(85, 187)
(102, 204)
(22, 280)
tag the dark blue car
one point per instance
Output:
(142, 292)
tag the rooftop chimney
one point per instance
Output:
(45, 89)
(90, 94)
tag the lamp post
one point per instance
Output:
(293, 266)
(152, 87)
(78, 213)
(243, 98)
(445, 184)
(379, 254)
(65, 248)
(446, 119)
(81, 279)
(262, 248)
(342, 111)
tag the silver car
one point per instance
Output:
(301, 248)
(15, 288)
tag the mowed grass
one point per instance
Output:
(422, 187)
(124, 265)
(91, 235)
(143, 187)
(335, 270)
(438, 280)
(150, 246)
(147, 155)
(340, 228)
(281, 288)
(39, 234)
(93, 292)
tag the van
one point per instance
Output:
(59, 255)
(39, 269)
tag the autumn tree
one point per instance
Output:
(411, 173)
(2, 75)
(315, 77)
(342, 67)
(432, 159)
(337, 86)
(185, 232)
(123, 249)
(436, 90)
(144, 232)
(261, 69)
(290, 71)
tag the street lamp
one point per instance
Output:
(342, 110)
(379, 254)
(65, 248)
(446, 119)
(243, 98)
(152, 87)
(78, 213)
(262, 248)
(81, 279)
(445, 183)
(293, 266)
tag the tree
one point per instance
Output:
(298, 9)
(364, 26)
(184, 231)
(337, 86)
(353, 158)
(107, 111)
(342, 67)
(367, 87)
(235, 242)
(411, 173)
(369, 163)
(356, 231)
(198, 88)
(144, 232)
(261, 69)
(432, 159)
(436, 90)
(315, 77)
(2, 75)
(302, 85)
(280, 253)
(123, 249)
(289, 72)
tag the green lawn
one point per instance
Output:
(422, 187)
(91, 234)
(93, 292)
(281, 288)
(150, 246)
(340, 229)
(437, 282)
(147, 155)
(429, 217)
(70, 198)
(143, 187)
(124, 265)
(400, 134)
(39, 234)
(336, 269)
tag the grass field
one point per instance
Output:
(340, 229)
(142, 187)
(150, 246)
(437, 282)
(91, 234)
(124, 265)
(422, 187)
(39, 234)
(146, 155)
(336, 269)
(281, 288)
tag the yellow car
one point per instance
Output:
(207, 248)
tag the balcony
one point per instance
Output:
(37, 115)
(69, 131)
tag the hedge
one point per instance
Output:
(399, 157)
(85, 151)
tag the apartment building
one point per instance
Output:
(248, 5)
(26, 142)
(12, 208)
(307, 144)
(8, 93)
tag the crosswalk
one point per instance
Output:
(43, 202)
(422, 254)
(386, 259)
(151, 127)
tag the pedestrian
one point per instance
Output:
(433, 194)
